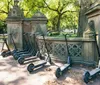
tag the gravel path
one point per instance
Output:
(11, 73)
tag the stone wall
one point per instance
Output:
(27, 26)
(81, 49)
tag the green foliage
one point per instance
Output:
(68, 34)
(62, 35)
(2, 27)
(61, 14)
(53, 33)
(5, 6)
(64, 14)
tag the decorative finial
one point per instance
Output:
(16, 2)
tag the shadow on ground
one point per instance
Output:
(11, 73)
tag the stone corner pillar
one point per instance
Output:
(14, 25)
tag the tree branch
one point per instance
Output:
(67, 11)
(8, 5)
(58, 5)
(30, 9)
(49, 6)
(64, 5)
(2, 11)
(2, 20)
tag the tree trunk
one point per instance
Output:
(82, 22)
(84, 6)
(58, 23)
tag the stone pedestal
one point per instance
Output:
(94, 15)
(15, 28)
(89, 55)
(14, 25)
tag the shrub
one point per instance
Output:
(53, 33)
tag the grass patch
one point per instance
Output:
(61, 35)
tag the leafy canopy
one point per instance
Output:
(60, 13)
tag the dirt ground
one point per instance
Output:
(14, 74)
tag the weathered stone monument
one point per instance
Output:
(93, 27)
(14, 25)
(17, 24)
(94, 15)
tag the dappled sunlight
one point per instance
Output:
(18, 81)
(66, 30)
(72, 77)
(11, 73)
(14, 74)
